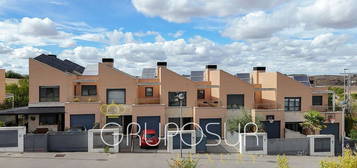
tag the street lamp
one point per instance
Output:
(179, 98)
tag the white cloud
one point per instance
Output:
(257, 25)
(330, 13)
(314, 56)
(184, 10)
(31, 32)
(26, 52)
(110, 37)
(37, 27)
(177, 34)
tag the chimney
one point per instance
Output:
(260, 69)
(162, 64)
(108, 61)
(211, 67)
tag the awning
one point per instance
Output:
(32, 110)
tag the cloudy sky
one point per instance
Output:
(290, 36)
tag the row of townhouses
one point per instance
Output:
(64, 95)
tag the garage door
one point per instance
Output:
(84, 121)
(152, 122)
(272, 129)
(214, 128)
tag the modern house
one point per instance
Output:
(283, 99)
(65, 95)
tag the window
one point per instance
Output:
(48, 119)
(149, 91)
(173, 100)
(116, 96)
(235, 101)
(317, 100)
(89, 90)
(49, 93)
(292, 103)
(201, 94)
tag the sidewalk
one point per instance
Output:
(142, 160)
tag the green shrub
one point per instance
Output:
(348, 160)
(283, 162)
(353, 134)
(106, 149)
(2, 124)
(243, 119)
(183, 163)
(314, 122)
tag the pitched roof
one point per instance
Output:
(62, 65)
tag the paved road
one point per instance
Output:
(146, 160)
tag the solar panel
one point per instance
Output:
(197, 75)
(148, 73)
(302, 78)
(65, 66)
(243, 76)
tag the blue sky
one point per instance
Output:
(290, 36)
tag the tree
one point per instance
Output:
(242, 120)
(20, 92)
(12, 74)
(314, 121)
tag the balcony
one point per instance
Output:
(209, 103)
(148, 100)
(268, 106)
(326, 108)
(83, 99)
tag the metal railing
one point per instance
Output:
(268, 106)
(326, 108)
(85, 99)
(148, 100)
(209, 103)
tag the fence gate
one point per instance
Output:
(12, 139)
(322, 145)
(253, 143)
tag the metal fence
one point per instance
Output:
(8, 138)
(35, 143)
(68, 142)
(294, 146)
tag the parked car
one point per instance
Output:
(149, 138)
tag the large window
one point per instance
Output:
(149, 91)
(116, 96)
(49, 93)
(89, 90)
(173, 101)
(317, 100)
(235, 101)
(201, 94)
(292, 103)
(48, 119)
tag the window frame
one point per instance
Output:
(40, 119)
(184, 102)
(123, 89)
(203, 94)
(319, 103)
(83, 87)
(47, 99)
(292, 107)
(146, 92)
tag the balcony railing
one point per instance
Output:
(326, 108)
(85, 99)
(209, 103)
(268, 106)
(148, 100)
